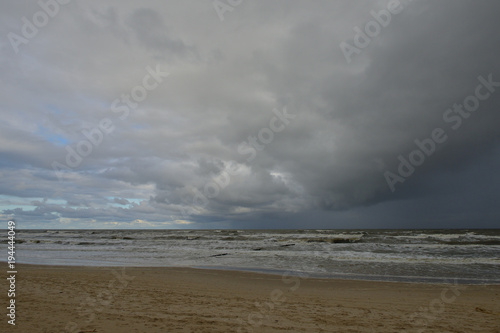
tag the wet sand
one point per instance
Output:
(108, 300)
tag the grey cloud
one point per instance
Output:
(152, 32)
(326, 168)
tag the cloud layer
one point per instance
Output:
(261, 120)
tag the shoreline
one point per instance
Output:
(310, 275)
(158, 299)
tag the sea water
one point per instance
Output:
(467, 256)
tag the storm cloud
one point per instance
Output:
(160, 114)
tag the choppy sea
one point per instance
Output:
(467, 256)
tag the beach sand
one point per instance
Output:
(105, 300)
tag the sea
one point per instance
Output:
(433, 256)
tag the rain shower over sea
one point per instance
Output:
(467, 256)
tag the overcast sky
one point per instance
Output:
(250, 114)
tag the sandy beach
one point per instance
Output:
(108, 300)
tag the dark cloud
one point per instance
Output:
(209, 146)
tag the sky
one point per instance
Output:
(250, 114)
